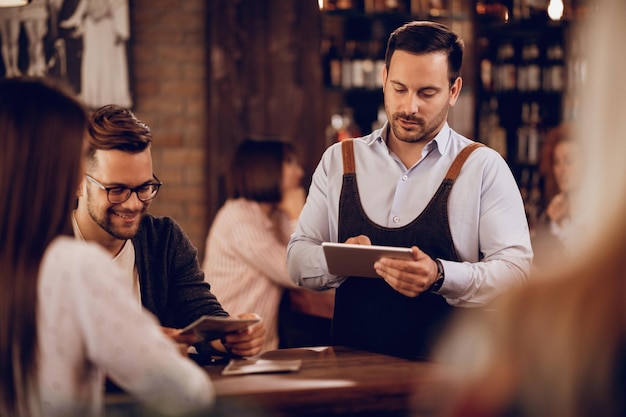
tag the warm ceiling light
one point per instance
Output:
(555, 9)
(13, 3)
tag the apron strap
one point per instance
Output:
(460, 159)
(347, 150)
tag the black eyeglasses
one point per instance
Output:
(120, 194)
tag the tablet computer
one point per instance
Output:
(214, 327)
(358, 260)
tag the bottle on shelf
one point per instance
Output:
(349, 128)
(379, 63)
(332, 62)
(496, 135)
(536, 9)
(357, 66)
(529, 72)
(341, 127)
(330, 5)
(535, 139)
(394, 6)
(381, 118)
(522, 135)
(344, 4)
(506, 70)
(332, 130)
(492, 9)
(486, 64)
(374, 6)
(437, 7)
(529, 135)
(347, 63)
(554, 70)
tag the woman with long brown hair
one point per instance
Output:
(66, 314)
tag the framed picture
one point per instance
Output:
(83, 42)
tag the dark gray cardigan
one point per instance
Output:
(172, 283)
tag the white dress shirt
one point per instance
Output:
(486, 213)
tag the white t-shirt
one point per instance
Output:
(125, 259)
(89, 324)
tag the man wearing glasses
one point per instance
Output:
(158, 257)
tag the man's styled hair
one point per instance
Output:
(113, 127)
(423, 37)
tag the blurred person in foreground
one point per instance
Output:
(558, 346)
(415, 183)
(66, 314)
(159, 261)
(246, 249)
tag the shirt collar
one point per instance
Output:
(440, 141)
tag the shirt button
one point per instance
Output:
(396, 219)
(405, 177)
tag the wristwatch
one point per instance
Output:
(440, 277)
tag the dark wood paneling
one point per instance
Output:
(265, 79)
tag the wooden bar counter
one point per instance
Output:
(331, 381)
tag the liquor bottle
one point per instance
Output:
(358, 61)
(332, 130)
(379, 63)
(554, 70)
(349, 128)
(486, 64)
(522, 135)
(374, 6)
(438, 7)
(537, 9)
(506, 70)
(342, 126)
(332, 63)
(346, 65)
(369, 66)
(529, 71)
(534, 134)
(344, 4)
(496, 137)
(381, 118)
(493, 10)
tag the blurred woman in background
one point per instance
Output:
(246, 248)
(561, 224)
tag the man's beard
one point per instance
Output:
(105, 221)
(423, 130)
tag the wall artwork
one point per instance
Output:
(83, 42)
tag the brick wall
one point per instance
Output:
(168, 79)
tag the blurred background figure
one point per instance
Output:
(67, 317)
(560, 226)
(558, 346)
(104, 26)
(9, 36)
(246, 247)
(34, 17)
